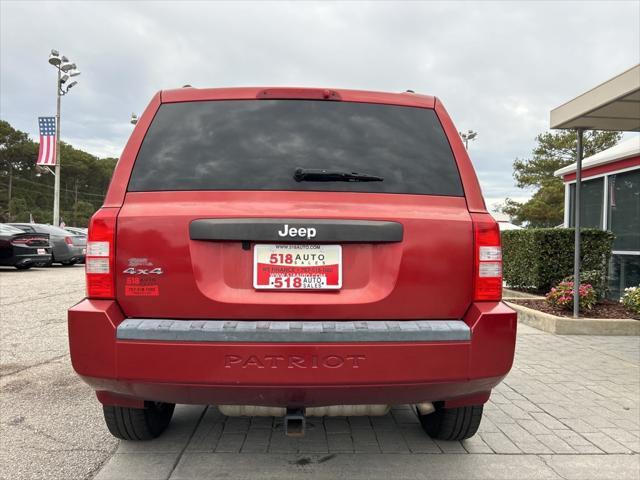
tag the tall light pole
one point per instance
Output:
(66, 70)
(470, 135)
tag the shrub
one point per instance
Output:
(562, 296)
(596, 278)
(631, 299)
(536, 259)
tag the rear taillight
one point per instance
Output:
(488, 258)
(100, 256)
(68, 240)
(31, 241)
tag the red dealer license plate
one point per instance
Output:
(297, 267)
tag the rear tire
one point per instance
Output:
(138, 423)
(68, 264)
(452, 423)
(23, 267)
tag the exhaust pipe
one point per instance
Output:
(425, 408)
(294, 423)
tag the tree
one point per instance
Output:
(553, 151)
(82, 212)
(15, 153)
(26, 189)
(17, 209)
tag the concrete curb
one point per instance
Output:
(508, 294)
(570, 326)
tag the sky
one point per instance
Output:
(499, 67)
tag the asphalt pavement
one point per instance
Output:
(50, 422)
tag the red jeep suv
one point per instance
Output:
(293, 252)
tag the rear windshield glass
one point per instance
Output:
(8, 229)
(259, 144)
(54, 230)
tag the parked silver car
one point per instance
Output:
(81, 232)
(68, 248)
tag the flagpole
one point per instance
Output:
(56, 190)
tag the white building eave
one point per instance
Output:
(612, 105)
(626, 149)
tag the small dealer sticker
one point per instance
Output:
(141, 290)
(141, 287)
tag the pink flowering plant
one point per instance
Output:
(562, 296)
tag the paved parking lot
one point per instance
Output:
(569, 409)
(50, 423)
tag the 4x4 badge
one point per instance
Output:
(143, 271)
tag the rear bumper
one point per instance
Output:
(289, 370)
(77, 253)
(69, 253)
(26, 259)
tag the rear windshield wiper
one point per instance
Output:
(321, 175)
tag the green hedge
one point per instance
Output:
(536, 259)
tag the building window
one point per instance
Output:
(624, 210)
(624, 271)
(591, 203)
(623, 219)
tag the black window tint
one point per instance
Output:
(624, 210)
(258, 144)
(591, 203)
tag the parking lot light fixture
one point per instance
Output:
(54, 58)
(66, 69)
(466, 137)
(68, 66)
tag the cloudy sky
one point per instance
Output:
(499, 67)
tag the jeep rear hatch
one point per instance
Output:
(220, 189)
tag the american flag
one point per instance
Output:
(47, 153)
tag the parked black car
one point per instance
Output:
(68, 248)
(23, 250)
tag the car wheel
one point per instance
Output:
(23, 267)
(69, 263)
(452, 423)
(138, 423)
